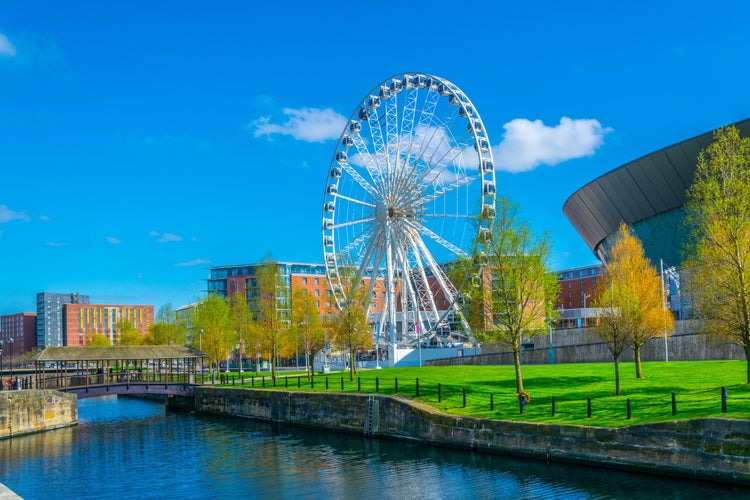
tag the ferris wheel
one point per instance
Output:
(411, 173)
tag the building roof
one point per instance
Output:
(643, 188)
(92, 353)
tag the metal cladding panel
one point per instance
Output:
(683, 157)
(626, 196)
(583, 219)
(654, 177)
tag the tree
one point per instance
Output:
(242, 322)
(632, 304)
(351, 328)
(511, 288)
(99, 340)
(129, 334)
(307, 325)
(169, 328)
(211, 316)
(719, 252)
(266, 299)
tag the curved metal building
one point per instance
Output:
(648, 194)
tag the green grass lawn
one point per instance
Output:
(696, 385)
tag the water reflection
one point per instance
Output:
(130, 448)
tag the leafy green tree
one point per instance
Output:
(99, 340)
(266, 299)
(511, 290)
(351, 328)
(129, 334)
(168, 329)
(719, 254)
(242, 322)
(212, 317)
(307, 326)
(614, 302)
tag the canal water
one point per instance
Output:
(130, 448)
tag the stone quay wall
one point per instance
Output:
(26, 412)
(713, 449)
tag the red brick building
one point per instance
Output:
(19, 330)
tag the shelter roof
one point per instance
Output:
(92, 353)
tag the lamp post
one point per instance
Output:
(551, 349)
(585, 311)
(200, 340)
(10, 341)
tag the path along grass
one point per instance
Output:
(489, 391)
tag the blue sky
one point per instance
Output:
(142, 142)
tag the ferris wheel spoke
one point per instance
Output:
(441, 191)
(438, 239)
(355, 200)
(361, 181)
(449, 290)
(352, 222)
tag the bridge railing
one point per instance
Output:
(74, 380)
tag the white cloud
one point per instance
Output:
(528, 144)
(304, 124)
(192, 263)
(6, 48)
(7, 215)
(165, 237)
(112, 240)
(55, 244)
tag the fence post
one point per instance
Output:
(359, 384)
(464, 398)
(674, 405)
(299, 381)
(492, 401)
(263, 380)
(377, 384)
(312, 382)
(417, 387)
(252, 381)
(326, 383)
(723, 399)
(440, 393)
(342, 384)
(629, 414)
(588, 407)
(395, 385)
(553, 406)
(286, 382)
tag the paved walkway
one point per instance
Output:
(6, 494)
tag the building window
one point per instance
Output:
(317, 293)
(317, 303)
(317, 281)
(304, 281)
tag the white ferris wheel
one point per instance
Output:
(411, 173)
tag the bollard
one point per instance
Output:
(263, 380)
(359, 384)
(252, 381)
(553, 406)
(342, 384)
(723, 399)
(440, 393)
(629, 414)
(417, 387)
(326, 383)
(464, 398)
(395, 385)
(286, 382)
(492, 402)
(377, 384)
(299, 382)
(588, 407)
(674, 405)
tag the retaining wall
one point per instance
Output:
(716, 449)
(25, 412)
(582, 345)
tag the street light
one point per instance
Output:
(200, 340)
(585, 311)
(10, 341)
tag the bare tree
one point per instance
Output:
(307, 326)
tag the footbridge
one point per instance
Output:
(99, 371)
